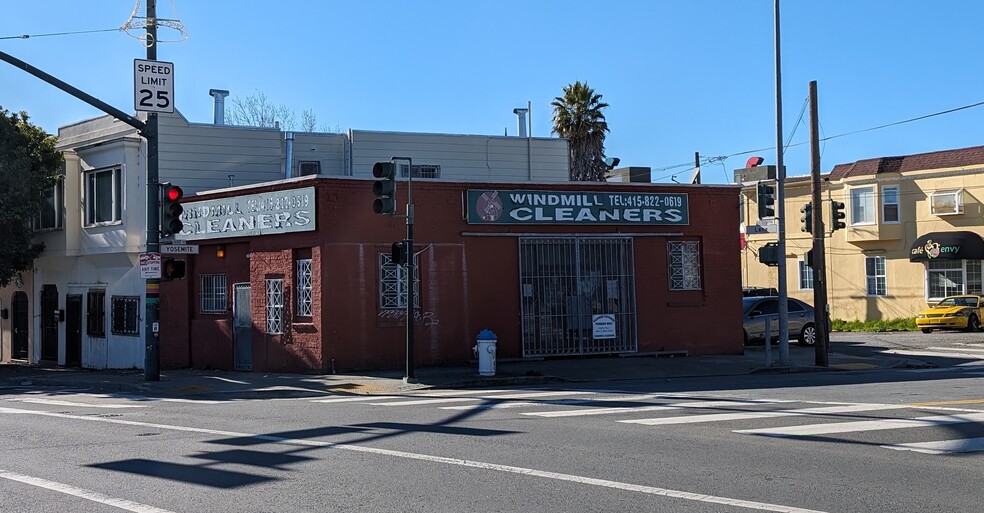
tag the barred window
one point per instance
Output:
(274, 306)
(95, 320)
(684, 265)
(421, 171)
(305, 288)
(213, 294)
(126, 315)
(393, 283)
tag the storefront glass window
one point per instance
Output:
(947, 277)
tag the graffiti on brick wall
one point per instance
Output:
(420, 318)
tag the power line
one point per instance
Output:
(28, 36)
(824, 139)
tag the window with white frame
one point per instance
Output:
(50, 216)
(274, 306)
(863, 205)
(393, 283)
(805, 275)
(946, 203)
(875, 277)
(421, 171)
(949, 277)
(890, 204)
(125, 315)
(684, 258)
(304, 288)
(103, 196)
(212, 293)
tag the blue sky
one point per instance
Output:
(680, 76)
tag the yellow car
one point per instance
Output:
(952, 313)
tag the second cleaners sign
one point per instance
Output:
(576, 207)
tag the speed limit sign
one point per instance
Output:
(153, 86)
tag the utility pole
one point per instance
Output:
(819, 268)
(152, 354)
(781, 208)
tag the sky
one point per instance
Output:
(679, 76)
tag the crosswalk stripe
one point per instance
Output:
(958, 349)
(557, 402)
(940, 354)
(722, 417)
(865, 425)
(355, 399)
(58, 402)
(528, 395)
(962, 445)
(641, 408)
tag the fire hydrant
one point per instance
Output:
(485, 352)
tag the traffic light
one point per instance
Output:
(766, 200)
(384, 188)
(807, 218)
(398, 253)
(171, 209)
(174, 269)
(837, 215)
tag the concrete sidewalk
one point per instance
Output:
(247, 385)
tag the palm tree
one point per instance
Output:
(577, 117)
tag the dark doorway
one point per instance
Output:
(20, 324)
(49, 323)
(73, 330)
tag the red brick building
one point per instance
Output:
(297, 276)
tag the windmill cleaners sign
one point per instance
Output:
(577, 207)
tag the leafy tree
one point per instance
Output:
(578, 118)
(29, 166)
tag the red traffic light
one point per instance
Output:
(173, 193)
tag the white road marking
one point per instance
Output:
(865, 425)
(957, 349)
(962, 445)
(527, 395)
(940, 354)
(348, 399)
(82, 493)
(59, 402)
(227, 380)
(556, 402)
(557, 476)
(722, 417)
(644, 408)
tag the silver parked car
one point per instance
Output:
(757, 310)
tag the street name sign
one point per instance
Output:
(179, 249)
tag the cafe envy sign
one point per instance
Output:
(577, 207)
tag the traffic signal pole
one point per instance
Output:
(411, 283)
(152, 350)
(781, 207)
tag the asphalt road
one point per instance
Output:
(897, 440)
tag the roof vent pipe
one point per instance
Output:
(219, 112)
(289, 164)
(521, 121)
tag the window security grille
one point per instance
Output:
(214, 298)
(393, 283)
(305, 288)
(126, 315)
(421, 171)
(274, 306)
(684, 265)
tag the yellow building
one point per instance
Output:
(912, 236)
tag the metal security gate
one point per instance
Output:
(242, 328)
(577, 296)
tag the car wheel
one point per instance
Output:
(808, 336)
(927, 330)
(973, 323)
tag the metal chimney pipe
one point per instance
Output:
(289, 164)
(521, 121)
(218, 114)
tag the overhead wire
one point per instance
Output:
(823, 139)
(29, 36)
